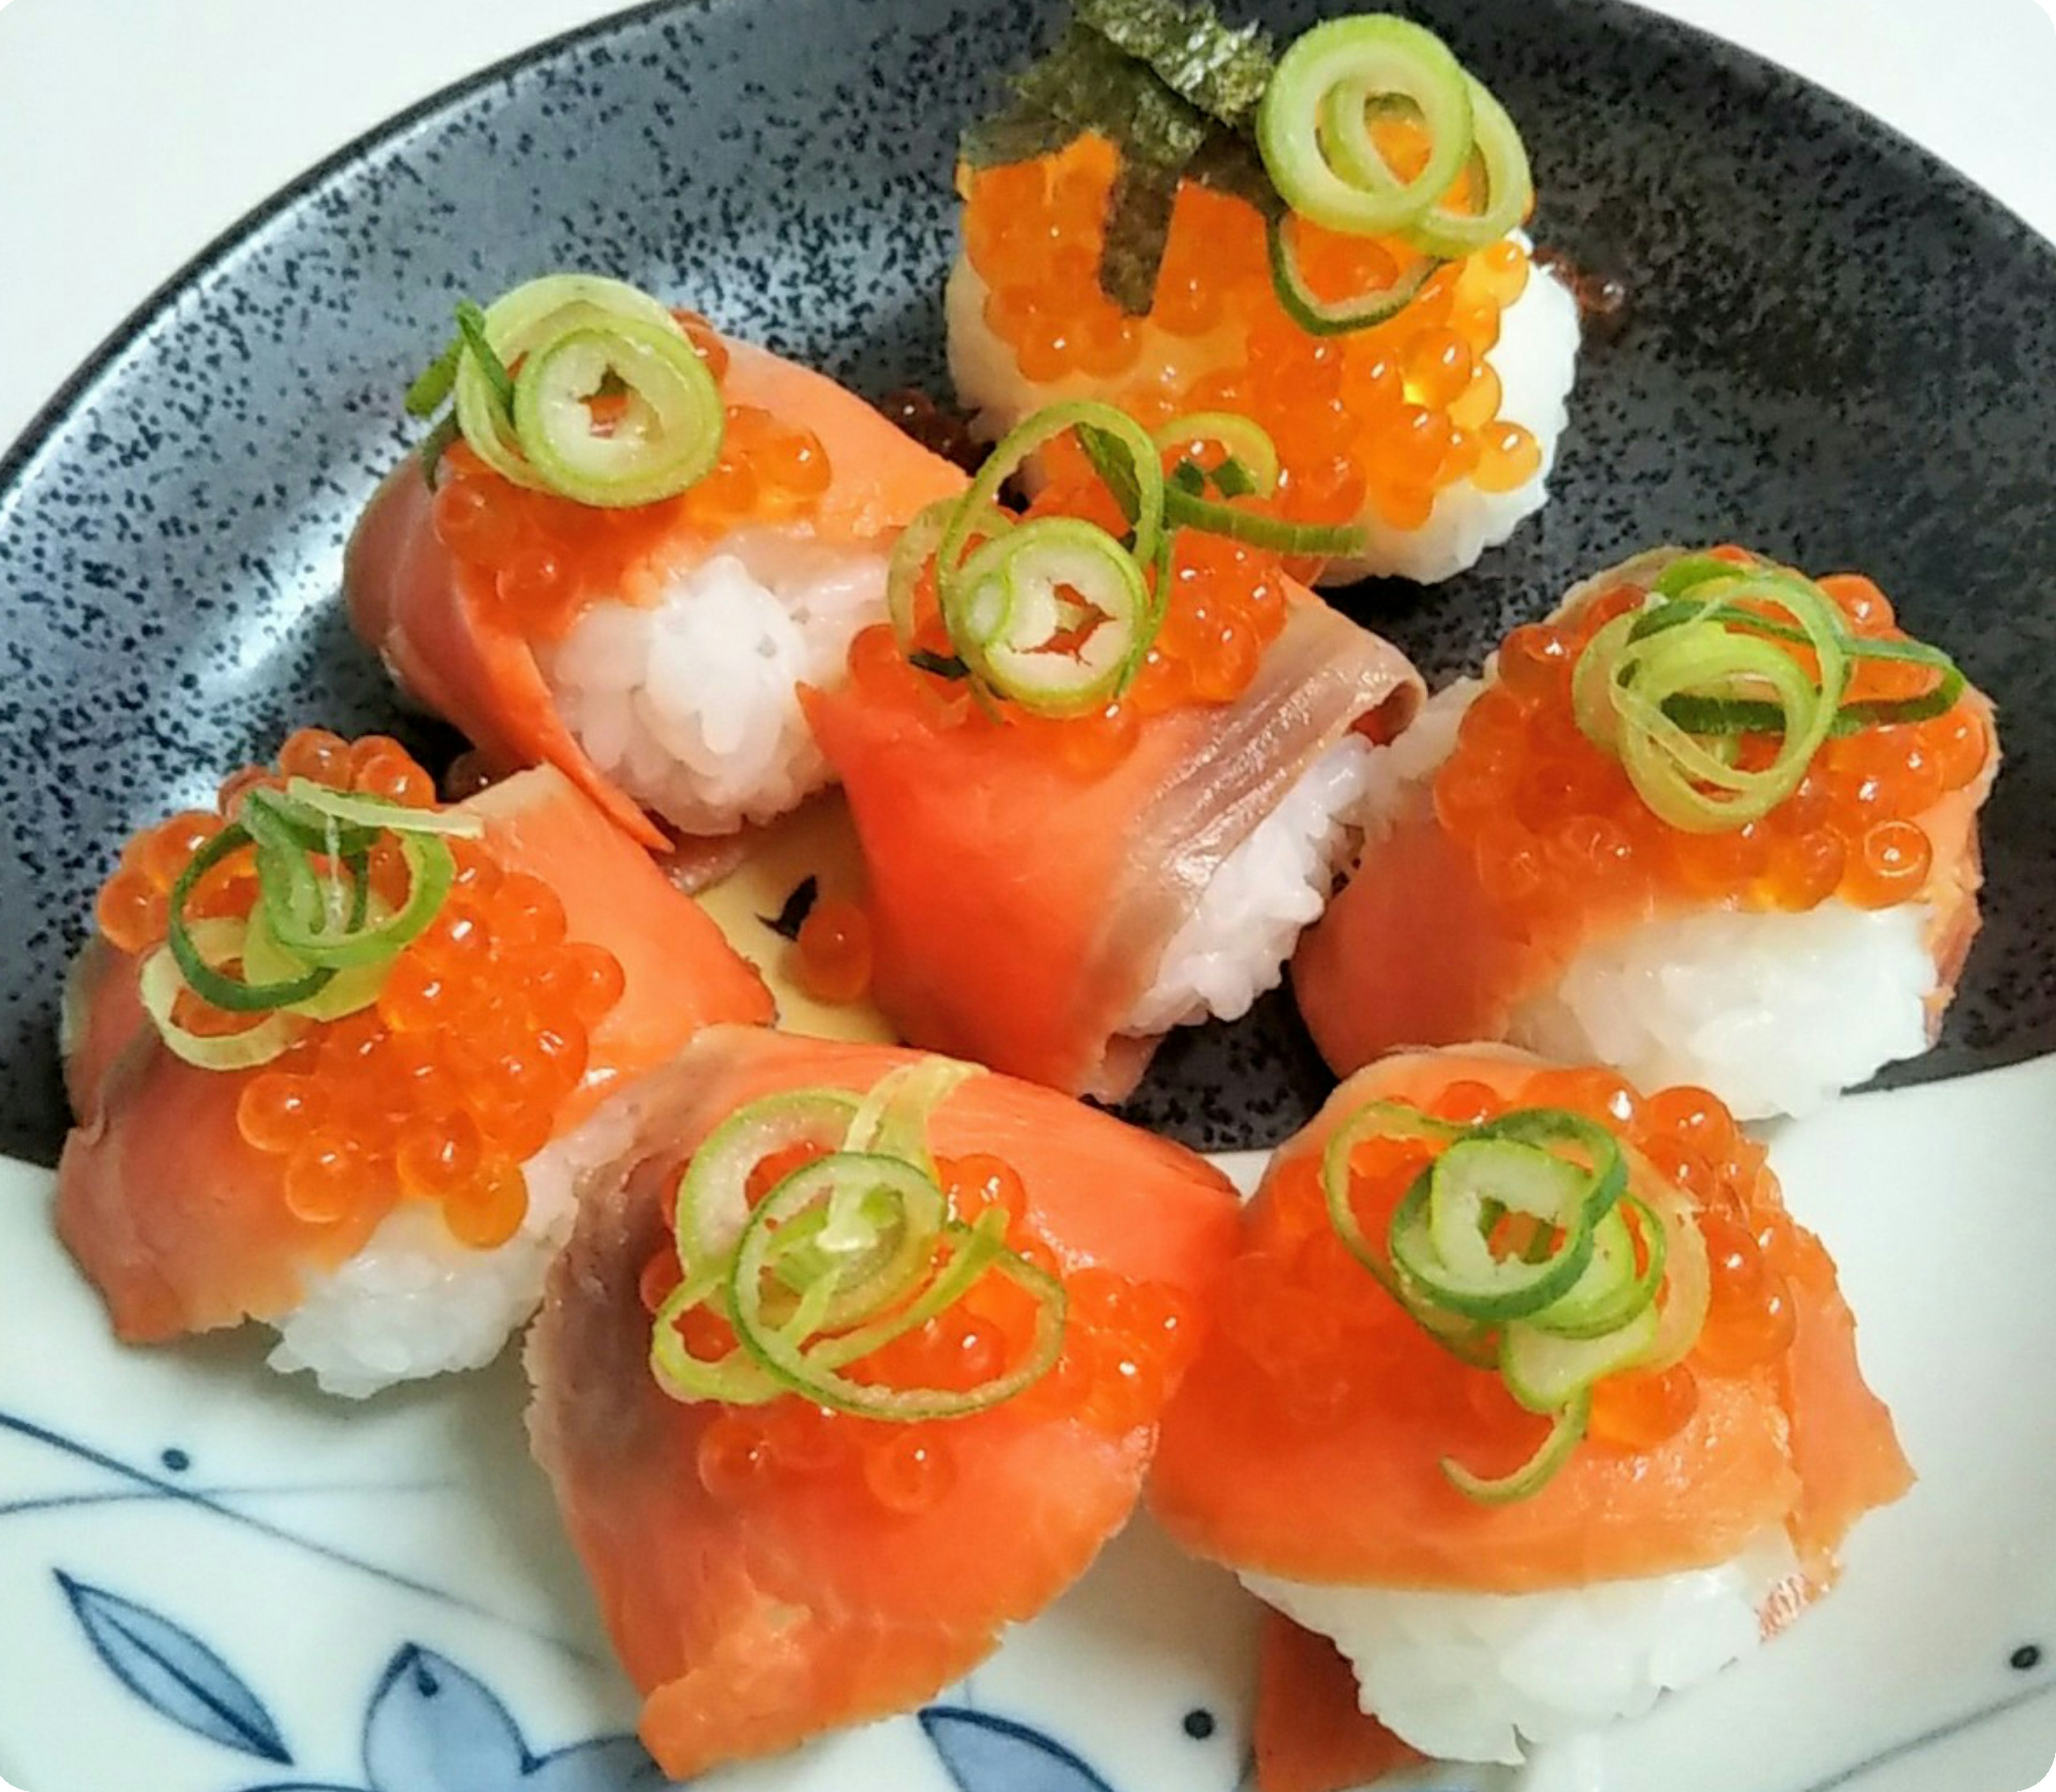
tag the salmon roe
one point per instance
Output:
(534, 560)
(1300, 1309)
(1125, 1343)
(1558, 835)
(1227, 604)
(1376, 422)
(832, 953)
(440, 1090)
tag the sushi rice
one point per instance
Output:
(1504, 1678)
(415, 1302)
(690, 702)
(1234, 945)
(1536, 359)
(1775, 1011)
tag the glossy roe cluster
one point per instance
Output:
(1560, 837)
(1382, 419)
(441, 1090)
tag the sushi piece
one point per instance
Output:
(913, 1324)
(1713, 823)
(1526, 1392)
(1106, 764)
(626, 565)
(337, 1056)
(1172, 217)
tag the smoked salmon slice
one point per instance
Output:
(770, 1571)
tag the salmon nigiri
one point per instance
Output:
(1713, 823)
(1530, 1395)
(632, 560)
(1114, 817)
(855, 1359)
(337, 1055)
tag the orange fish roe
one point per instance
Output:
(534, 561)
(1124, 1341)
(1383, 418)
(1302, 1308)
(1228, 602)
(1559, 835)
(440, 1090)
(833, 952)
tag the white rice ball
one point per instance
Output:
(1535, 359)
(414, 1302)
(1234, 945)
(1488, 1677)
(691, 704)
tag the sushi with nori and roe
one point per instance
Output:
(628, 543)
(1107, 758)
(1713, 822)
(854, 1359)
(1171, 216)
(338, 1054)
(1526, 1392)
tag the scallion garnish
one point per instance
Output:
(1709, 658)
(526, 371)
(1577, 1300)
(317, 942)
(846, 1254)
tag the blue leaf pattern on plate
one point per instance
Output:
(987, 1753)
(174, 1673)
(433, 1728)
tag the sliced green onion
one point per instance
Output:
(527, 367)
(848, 1253)
(1665, 689)
(316, 945)
(162, 981)
(1499, 161)
(1336, 317)
(1052, 613)
(1314, 127)
(1566, 1433)
(1553, 1313)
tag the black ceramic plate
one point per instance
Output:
(1835, 349)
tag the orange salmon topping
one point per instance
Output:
(833, 952)
(1309, 1318)
(442, 1088)
(1383, 418)
(1562, 841)
(536, 560)
(1124, 1341)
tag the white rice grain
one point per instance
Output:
(691, 704)
(1234, 945)
(414, 1302)
(1487, 1676)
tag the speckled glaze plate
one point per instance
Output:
(1833, 347)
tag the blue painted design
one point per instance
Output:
(149, 1486)
(176, 1461)
(174, 1673)
(431, 1727)
(984, 1753)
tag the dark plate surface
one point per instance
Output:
(1836, 350)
